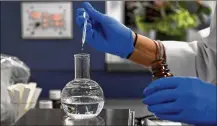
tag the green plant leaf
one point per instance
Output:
(173, 24)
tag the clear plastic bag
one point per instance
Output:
(13, 71)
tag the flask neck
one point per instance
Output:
(82, 66)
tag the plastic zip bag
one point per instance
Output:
(13, 71)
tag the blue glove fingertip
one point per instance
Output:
(164, 83)
(149, 107)
(148, 91)
(152, 87)
(80, 11)
(144, 101)
(90, 33)
(86, 4)
(89, 26)
(80, 21)
(93, 13)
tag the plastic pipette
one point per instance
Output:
(84, 29)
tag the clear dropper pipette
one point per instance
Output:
(84, 29)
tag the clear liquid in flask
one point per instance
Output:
(83, 107)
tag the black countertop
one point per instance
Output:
(54, 117)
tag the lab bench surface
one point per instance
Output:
(56, 117)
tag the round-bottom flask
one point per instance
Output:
(82, 98)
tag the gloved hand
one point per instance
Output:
(182, 99)
(105, 33)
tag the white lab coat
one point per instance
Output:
(196, 59)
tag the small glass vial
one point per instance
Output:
(160, 70)
(45, 104)
(55, 97)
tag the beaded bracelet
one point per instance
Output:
(160, 52)
(157, 50)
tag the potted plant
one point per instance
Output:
(170, 19)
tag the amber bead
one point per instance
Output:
(160, 70)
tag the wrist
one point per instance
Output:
(147, 47)
(146, 51)
(139, 57)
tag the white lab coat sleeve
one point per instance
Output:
(195, 59)
(181, 57)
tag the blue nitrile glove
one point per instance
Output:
(105, 33)
(182, 99)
